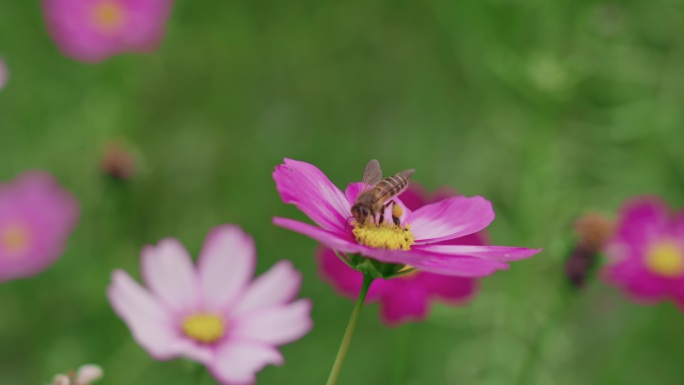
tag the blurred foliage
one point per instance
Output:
(547, 108)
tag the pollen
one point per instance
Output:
(108, 15)
(204, 327)
(391, 237)
(666, 259)
(14, 239)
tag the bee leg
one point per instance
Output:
(396, 212)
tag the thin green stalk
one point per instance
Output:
(342, 352)
(200, 374)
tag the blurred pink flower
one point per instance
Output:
(419, 239)
(86, 375)
(406, 298)
(213, 314)
(92, 30)
(646, 252)
(4, 74)
(36, 217)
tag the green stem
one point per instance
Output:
(335, 371)
(200, 374)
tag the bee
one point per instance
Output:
(378, 193)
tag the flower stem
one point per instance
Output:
(335, 371)
(200, 374)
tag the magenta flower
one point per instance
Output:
(213, 314)
(646, 252)
(92, 30)
(36, 217)
(406, 298)
(4, 74)
(418, 240)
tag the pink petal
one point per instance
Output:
(237, 362)
(407, 303)
(277, 286)
(450, 218)
(631, 275)
(168, 271)
(451, 289)
(495, 253)
(311, 191)
(276, 325)
(353, 191)
(336, 241)
(87, 374)
(226, 265)
(432, 262)
(642, 219)
(149, 321)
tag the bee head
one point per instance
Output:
(360, 213)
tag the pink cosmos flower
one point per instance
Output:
(406, 298)
(92, 30)
(36, 217)
(418, 240)
(4, 74)
(646, 252)
(86, 375)
(212, 313)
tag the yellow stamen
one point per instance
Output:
(666, 259)
(108, 15)
(204, 327)
(391, 237)
(14, 239)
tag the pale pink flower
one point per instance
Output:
(418, 240)
(36, 218)
(646, 252)
(407, 298)
(86, 375)
(213, 313)
(4, 74)
(92, 30)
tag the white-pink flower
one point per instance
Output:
(213, 313)
(93, 30)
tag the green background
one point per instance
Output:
(549, 109)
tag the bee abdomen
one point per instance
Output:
(391, 186)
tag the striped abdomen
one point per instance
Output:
(391, 186)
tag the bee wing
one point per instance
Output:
(372, 175)
(406, 173)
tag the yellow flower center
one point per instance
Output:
(204, 327)
(391, 237)
(14, 239)
(666, 259)
(108, 15)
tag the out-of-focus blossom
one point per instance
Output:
(86, 375)
(118, 162)
(36, 217)
(593, 230)
(419, 238)
(646, 253)
(406, 298)
(4, 74)
(92, 30)
(213, 313)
